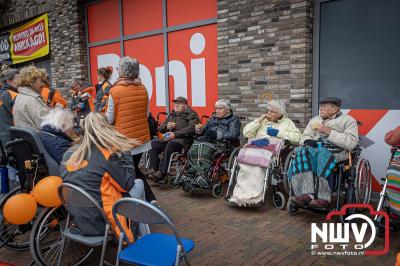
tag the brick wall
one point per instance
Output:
(266, 46)
(67, 35)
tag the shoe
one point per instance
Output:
(159, 177)
(301, 200)
(319, 203)
(149, 173)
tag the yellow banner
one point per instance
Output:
(30, 41)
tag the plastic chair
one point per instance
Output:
(151, 249)
(72, 195)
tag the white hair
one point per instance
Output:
(60, 119)
(278, 105)
(223, 103)
(128, 67)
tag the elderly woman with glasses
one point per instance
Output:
(274, 123)
(265, 136)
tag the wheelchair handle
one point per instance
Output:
(161, 113)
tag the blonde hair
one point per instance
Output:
(98, 132)
(28, 75)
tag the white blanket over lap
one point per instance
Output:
(249, 186)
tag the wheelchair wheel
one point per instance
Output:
(291, 208)
(172, 182)
(217, 190)
(363, 181)
(13, 237)
(46, 240)
(286, 165)
(232, 158)
(279, 200)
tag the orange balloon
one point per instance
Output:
(45, 191)
(20, 209)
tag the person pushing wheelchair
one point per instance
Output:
(313, 164)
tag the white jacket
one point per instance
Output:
(29, 109)
(344, 131)
(287, 129)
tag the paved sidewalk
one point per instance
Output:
(231, 236)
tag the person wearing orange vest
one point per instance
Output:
(82, 99)
(53, 98)
(103, 89)
(127, 110)
(8, 93)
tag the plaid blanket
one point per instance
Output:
(393, 185)
(201, 157)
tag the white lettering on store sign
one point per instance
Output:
(177, 70)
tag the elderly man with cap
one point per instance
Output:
(8, 93)
(178, 131)
(331, 126)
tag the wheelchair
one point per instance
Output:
(275, 175)
(218, 169)
(26, 153)
(352, 182)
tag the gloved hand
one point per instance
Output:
(210, 134)
(273, 132)
(260, 142)
(311, 143)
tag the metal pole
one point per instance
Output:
(166, 66)
(121, 28)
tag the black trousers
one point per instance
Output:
(168, 148)
(139, 175)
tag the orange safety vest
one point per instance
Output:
(51, 98)
(130, 109)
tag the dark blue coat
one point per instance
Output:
(55, 142)
(221, 129)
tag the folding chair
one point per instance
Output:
(72, 195)
(154, 248)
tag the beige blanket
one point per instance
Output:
(249, 185)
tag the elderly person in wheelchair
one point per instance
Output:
(57, 132)
(311, 171)
(178, 132)
(266, 136)
(219, 135)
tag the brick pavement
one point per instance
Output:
(232, 236)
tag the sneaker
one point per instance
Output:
(301, 200)
(319, 203)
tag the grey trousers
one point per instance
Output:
(137, 192)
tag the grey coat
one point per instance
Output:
(29, 109)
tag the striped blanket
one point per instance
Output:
(393, 183)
